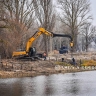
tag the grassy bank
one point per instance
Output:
(10, 68)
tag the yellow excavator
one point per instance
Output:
(31, 51)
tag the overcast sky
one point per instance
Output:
(93, 8)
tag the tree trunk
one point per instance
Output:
(86, 44)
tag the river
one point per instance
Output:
(68, 84)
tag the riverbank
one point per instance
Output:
(10, 68)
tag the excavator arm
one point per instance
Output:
(62, 35)
(68, 36)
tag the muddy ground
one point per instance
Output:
(10, 68)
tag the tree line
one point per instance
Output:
(20, 19)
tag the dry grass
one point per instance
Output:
(89, 63)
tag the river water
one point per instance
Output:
(68, 84)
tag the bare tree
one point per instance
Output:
(21, 11)
(46, 18)
(18, 16)
(74, 15)
(88, 33)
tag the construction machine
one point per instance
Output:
(31, 51)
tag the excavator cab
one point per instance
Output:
(32, 52)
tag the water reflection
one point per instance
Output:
(10, 88)
(73, 87)
(69, 84)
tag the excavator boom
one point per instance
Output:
(35, 36)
